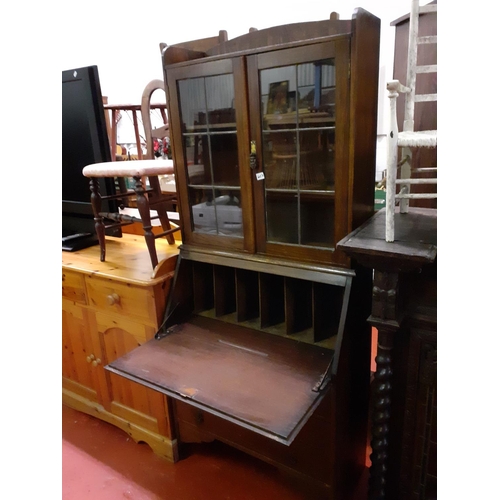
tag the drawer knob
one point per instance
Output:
(113, 299)
(90, 358)
(96, 362)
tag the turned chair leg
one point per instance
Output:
(161, 208)
(95, 199)
(143, 207)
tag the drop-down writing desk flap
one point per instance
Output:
(250, 340)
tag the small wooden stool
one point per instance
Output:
(147, 199)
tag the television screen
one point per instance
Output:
(84, 141)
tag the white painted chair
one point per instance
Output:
(400, 174)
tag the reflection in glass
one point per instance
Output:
(299, 152)
(224, 149)
(216, 211)
(211, 154)
(280, 160)
(282, 217)
(198, 165)
(220, 102)
(316, 221)
(192, 103)
(316, 159)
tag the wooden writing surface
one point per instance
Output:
(260, 381)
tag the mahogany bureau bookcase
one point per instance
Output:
(265, 343)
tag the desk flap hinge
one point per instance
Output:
(325, 378)
(166, 331)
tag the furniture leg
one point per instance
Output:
(95, 199)
(161, 209)
(143, 207)
(384, 312)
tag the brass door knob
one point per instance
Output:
(96, 362)
(113, 299)
(90, 358)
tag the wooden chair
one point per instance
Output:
(147, 199)
(167, 183)
(150, 132)
(400, 174)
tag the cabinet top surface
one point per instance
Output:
(415, 237)
(127, 259)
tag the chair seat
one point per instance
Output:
(421, 139)
(139, 168)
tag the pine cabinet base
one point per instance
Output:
(108, 309)
(161, 445)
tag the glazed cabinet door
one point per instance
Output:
(300, 128)
(209, 127)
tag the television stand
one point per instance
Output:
(79, 241)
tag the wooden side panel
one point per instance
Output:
(247, 294)
(224, 290)
(298, 305)
(203, 286)
(365, 48)
(327, 304)
(272, 299)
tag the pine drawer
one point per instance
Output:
(132, 301)
(73, 287)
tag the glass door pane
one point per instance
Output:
(298, 138)
(210, 144)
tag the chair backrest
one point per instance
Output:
(414, 40)
(150, 133)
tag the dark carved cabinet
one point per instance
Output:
(265, 343)
(404, 390)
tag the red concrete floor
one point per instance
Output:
(101, 462)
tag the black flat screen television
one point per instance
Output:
(84, 141)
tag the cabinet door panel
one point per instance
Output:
(77, 349)
(118, 336)
(301, 193)
(208, 114)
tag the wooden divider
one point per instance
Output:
(301, 309)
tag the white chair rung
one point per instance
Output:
(419, 139)
(416, 181)
(426, 97)
(417, 196)
(427, 39)
(425, 169)
(429, 68)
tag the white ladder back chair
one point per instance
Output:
(400, 173)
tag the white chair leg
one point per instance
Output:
(404, 204)
(392, 165)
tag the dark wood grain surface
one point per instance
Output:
(263, 381)
(415, 236)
